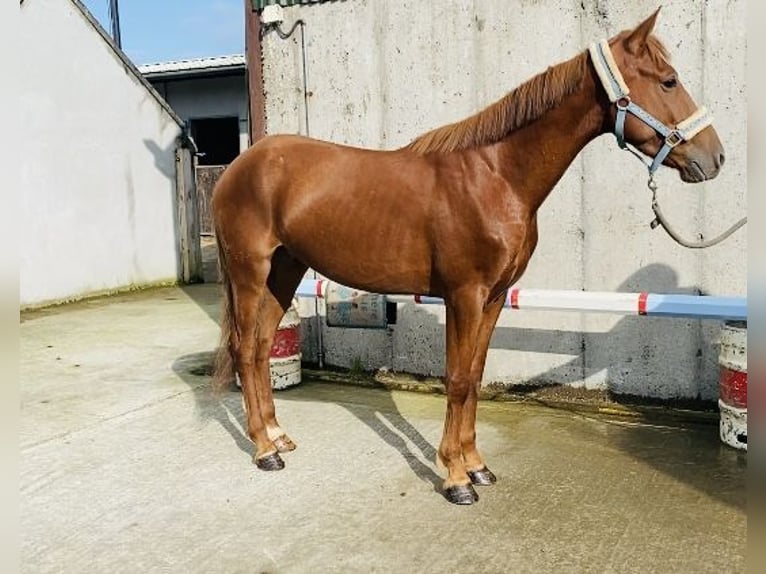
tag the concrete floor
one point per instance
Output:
(130, 464)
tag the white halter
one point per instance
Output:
(618, 91)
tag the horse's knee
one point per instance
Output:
(245, 369)
(458, 388)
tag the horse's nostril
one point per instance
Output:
(721, 159)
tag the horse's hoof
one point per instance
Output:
(461, 494)
(270, 462)
(284, 444)
(482, 477)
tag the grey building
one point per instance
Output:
(210, 95)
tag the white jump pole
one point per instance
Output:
(646, 304)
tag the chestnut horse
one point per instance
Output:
(453, 214)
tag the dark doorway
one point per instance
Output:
(217, 140)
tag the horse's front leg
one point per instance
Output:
(477, 470)
(464, 318)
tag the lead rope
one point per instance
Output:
(660, 220)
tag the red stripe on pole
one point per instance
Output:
(319, 288)
(732, 386)
(642, 297)
(514, 298)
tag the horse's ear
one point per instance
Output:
(636, 41)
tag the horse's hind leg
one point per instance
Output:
(478, 472)
(286, 273)
(248, 284)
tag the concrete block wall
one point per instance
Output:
(380, 73)
(98, 168)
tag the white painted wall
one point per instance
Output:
(216, 97)
(380, 73)
(98, 168)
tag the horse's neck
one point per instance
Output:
(534, 158)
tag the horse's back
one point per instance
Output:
(284, 173)
(276, 163)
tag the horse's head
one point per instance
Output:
(674, 131)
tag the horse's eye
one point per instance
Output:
(670, 83)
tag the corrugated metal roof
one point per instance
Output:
(211, 64)
(259, 4)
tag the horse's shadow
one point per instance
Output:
(223, 407)
(680, 454)
(380, 413)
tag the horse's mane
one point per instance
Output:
(518, 108)
(515, 110)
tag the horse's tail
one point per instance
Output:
(224, 373)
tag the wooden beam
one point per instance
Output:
(190, 251)
(254, 58)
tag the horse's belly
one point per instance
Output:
(363, 253)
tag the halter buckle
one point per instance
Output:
(674, 138)
(623, 103)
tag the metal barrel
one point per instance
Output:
(732, 384)
(285, 356)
